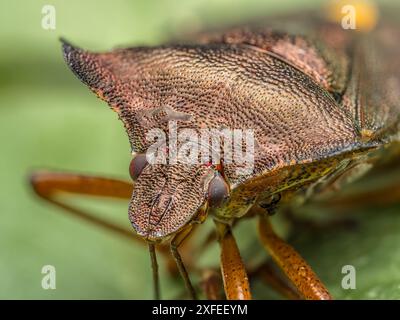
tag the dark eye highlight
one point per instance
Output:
(218, 191)
(137, 165)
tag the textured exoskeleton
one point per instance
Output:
(318, 100)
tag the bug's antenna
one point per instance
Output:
(183, 272)
(154, 266)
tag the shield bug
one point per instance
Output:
(318, 103)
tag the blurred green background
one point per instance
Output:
(48, 119)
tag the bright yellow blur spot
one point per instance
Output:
(366, 13)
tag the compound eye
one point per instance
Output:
(137, 165)
(218, 191)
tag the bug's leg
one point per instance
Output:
(292, 264)
(211, 284)
(234, 275)
(175, 243)
(50, 185)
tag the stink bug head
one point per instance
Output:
(136, 84)
(166, 198)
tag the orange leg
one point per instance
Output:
(49, 185)
(236, 282)
(292, 264)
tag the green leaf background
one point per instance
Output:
(48, 119)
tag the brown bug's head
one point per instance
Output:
(166, 198)
(137, 85)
